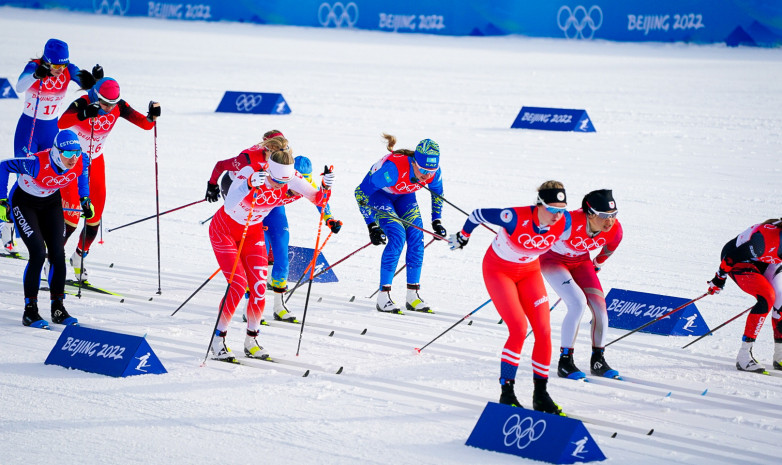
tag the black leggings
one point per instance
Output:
(40, 222)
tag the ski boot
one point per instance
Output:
(566, 367)
(251, 347)
(7, 238)
(280, 311)
(219, 350)
(77, 262)
(31, 317)
(508, 396)
(60, 315)
(414, 301)
(745, 361)
(384, 302)
(778, 355)
(599, 367)
(541, 401)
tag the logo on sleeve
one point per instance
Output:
(506, 216)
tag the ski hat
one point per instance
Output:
(599, 201)
(66, 140)
(106, 89)
(304, 166)
(427, 155)
(55, 52)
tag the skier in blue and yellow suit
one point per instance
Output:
(390, 186)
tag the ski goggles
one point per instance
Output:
(604, 215)
(62, 66)
(70, 153)
(550, 209)
(424, 170)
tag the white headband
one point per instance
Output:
(281, 173)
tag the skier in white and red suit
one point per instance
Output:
(92, 117)
(248, 201)
(572, 274)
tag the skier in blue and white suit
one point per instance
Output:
(390, 186)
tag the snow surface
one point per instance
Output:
(687, 136)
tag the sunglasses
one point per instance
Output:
(279, 181)
(424, 170)
(603, 215)
(70, 153)
(550, 209)
(53, 66)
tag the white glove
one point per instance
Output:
(457, 241)
(328, 180)
(257, 179)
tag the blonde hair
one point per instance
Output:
(551, 185)
(275, 143)
(775, 221)
(391, 142)
(283, 157)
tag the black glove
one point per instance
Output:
(717, 283)
(334, 225)
(212, 192)
(87, 111)
(43, 70)
(87, 80)
(97, 72)
(438, 228)
(376, 234)
(88, 211)
(154, 111)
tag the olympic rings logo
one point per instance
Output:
(338, 14)
(405, 187)
(246, 102)
(58, 181)
(103, 122)
(54, 83)
(579, 23)
(522, 433)
(536, 242)
(582, 244)
(111, 7)
(269, 197)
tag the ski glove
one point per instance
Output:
(87, 111)
(328, 178)
(334, 225)
(88, 211)
(97, 72)
(154, 111)
(717, 283)
(437, 225)
(212, 192)
(5, 211)
(257, 179)
(42, 70)
(457, 241)
(376, 234)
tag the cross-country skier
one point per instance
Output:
(250, 198)
(276, 222)
(92, 117)
(390, 186)
(36, 208)
(753, 260)
(572, 274)
(511, 272)
(44, 82)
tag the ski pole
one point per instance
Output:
(290, 293)
(154, 216)
(393, 217)
(550, 310)
(84, 228)
(196, 291)
(400, 269)
(304, 273)
(657, 319)
(202, 222)
(718, 327)
(157, 210)
(453, 326)
(326, 170)
(454, 206)
(233, 270)
(35, 116)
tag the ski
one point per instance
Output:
(613, 425)
(269, 362)
(89, 287)
(15, 255)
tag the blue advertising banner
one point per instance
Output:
(104, 352)
(6, 90)
(259, 103)
(534, 435)
(734, 22)
(553, 119)
(300, 257)
(631, 309)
